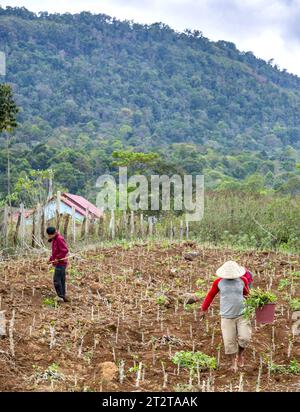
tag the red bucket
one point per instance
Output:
(266, 313)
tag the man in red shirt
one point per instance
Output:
(59, 260)
(236, 330)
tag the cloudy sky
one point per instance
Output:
(268, 28)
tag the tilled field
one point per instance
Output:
(127, 310)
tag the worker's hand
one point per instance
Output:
(201, 314)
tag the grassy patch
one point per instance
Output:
(51, 302)
(293, 368)
(194, 360)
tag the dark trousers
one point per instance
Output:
(59, 281)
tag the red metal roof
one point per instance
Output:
(27, 214)
(81, 204)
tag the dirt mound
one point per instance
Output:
(108, 371)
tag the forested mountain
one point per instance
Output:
(87, 85)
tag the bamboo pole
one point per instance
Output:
(112, 224)
(16, 235)
(66, 225)
(73, 225)
(187, 230)
(171, 231)
(82, 235)
(58, 200)
(42, 222)
(181, 231)
(103, 224)
(3, 322)
(142, 224)
(50, 189)
(38, 224)
(5, 226)
(150, 225)
(22, 225)
(86, 227)
(33, 229)
(132, 223)
(101, 227)
(125, 223)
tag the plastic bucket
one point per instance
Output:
(266, 313)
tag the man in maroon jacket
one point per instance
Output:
(59, 260)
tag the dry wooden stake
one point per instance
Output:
(198, 374)
(138, 376)
(191, 378)
(273, 339)
(52, 336)
(218, 357)
(153, 355)
(213, 337)
(2, 323)
(92, 314)
(122, 371)
(11, 334)
(290, 348)
(208, 385)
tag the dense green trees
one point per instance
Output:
(88, 85)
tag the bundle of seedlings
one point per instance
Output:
(262, 304)
(194, 360)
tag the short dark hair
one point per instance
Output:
(51, 230)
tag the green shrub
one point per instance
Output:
(193, 360)
(49, 302)
(293, 368)
(294, 304)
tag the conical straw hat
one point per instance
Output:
(230, 270)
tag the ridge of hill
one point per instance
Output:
(89, 84)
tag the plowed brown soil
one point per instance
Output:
(116, 312)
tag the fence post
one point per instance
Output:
(171, 231)
(5, 226)
(142, 225)
(38, 225)
(42, 223)
(22, 224)
(58, 199)
(66, 225)
(150, 224)
(101, 226)
(118, 227)
(3, 322)
(92, 226)
(17, 230)
(83, 225)
(181, 231)
(112, 224)
(187, 229)
(86, 227)
(125, 223)
(50, 189)
(73, 224)
(132, 223)
(33, 229)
